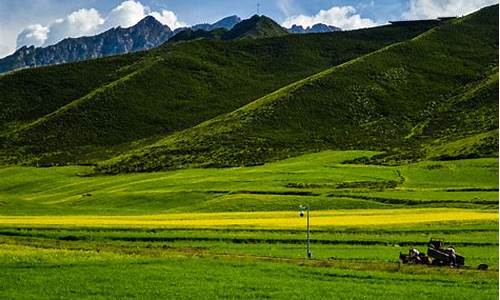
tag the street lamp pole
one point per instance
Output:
(309, 254)
(308, 216)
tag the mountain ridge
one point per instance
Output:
(146, 34)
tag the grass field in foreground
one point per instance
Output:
(236, 233)
(349, 263)
(88, 276)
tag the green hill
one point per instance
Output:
(255, 27)
(91, 110)
(30, 94)
(378, 101)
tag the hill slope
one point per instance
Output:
(168, 89)
(255, 27)
(373, 102)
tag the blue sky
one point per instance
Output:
(47, 21)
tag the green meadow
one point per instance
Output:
(321, 180)
(78, 260)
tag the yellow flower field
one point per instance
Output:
(262, 219)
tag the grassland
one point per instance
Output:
(236, 233)
(321, 179)
(349, 262)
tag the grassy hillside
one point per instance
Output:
(469, 126)
(255, 27)
(464, 126)
(374, 102)
(27, 95)
(171, 88)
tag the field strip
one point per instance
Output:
(262, 219)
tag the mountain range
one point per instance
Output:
(317, 28)
(226, 23)
(146, 34)
(238, 100)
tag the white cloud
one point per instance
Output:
(126, 14)
(344, 17)
(168, 18)
(428, 9)
(130, 12)
(90, 22)
(33, 35)
(79, 23)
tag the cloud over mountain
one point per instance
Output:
(90, 22)
(33, 35)
(345, 17)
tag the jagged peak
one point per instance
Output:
(150, 21)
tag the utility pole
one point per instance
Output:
(258, 9)
(308, 239)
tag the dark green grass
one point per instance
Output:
(373, 102)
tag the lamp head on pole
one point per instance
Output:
(301, 210)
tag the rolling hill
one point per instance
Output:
(254, 28)
(84, 112)
(441, 85)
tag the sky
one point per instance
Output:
(45, 22)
